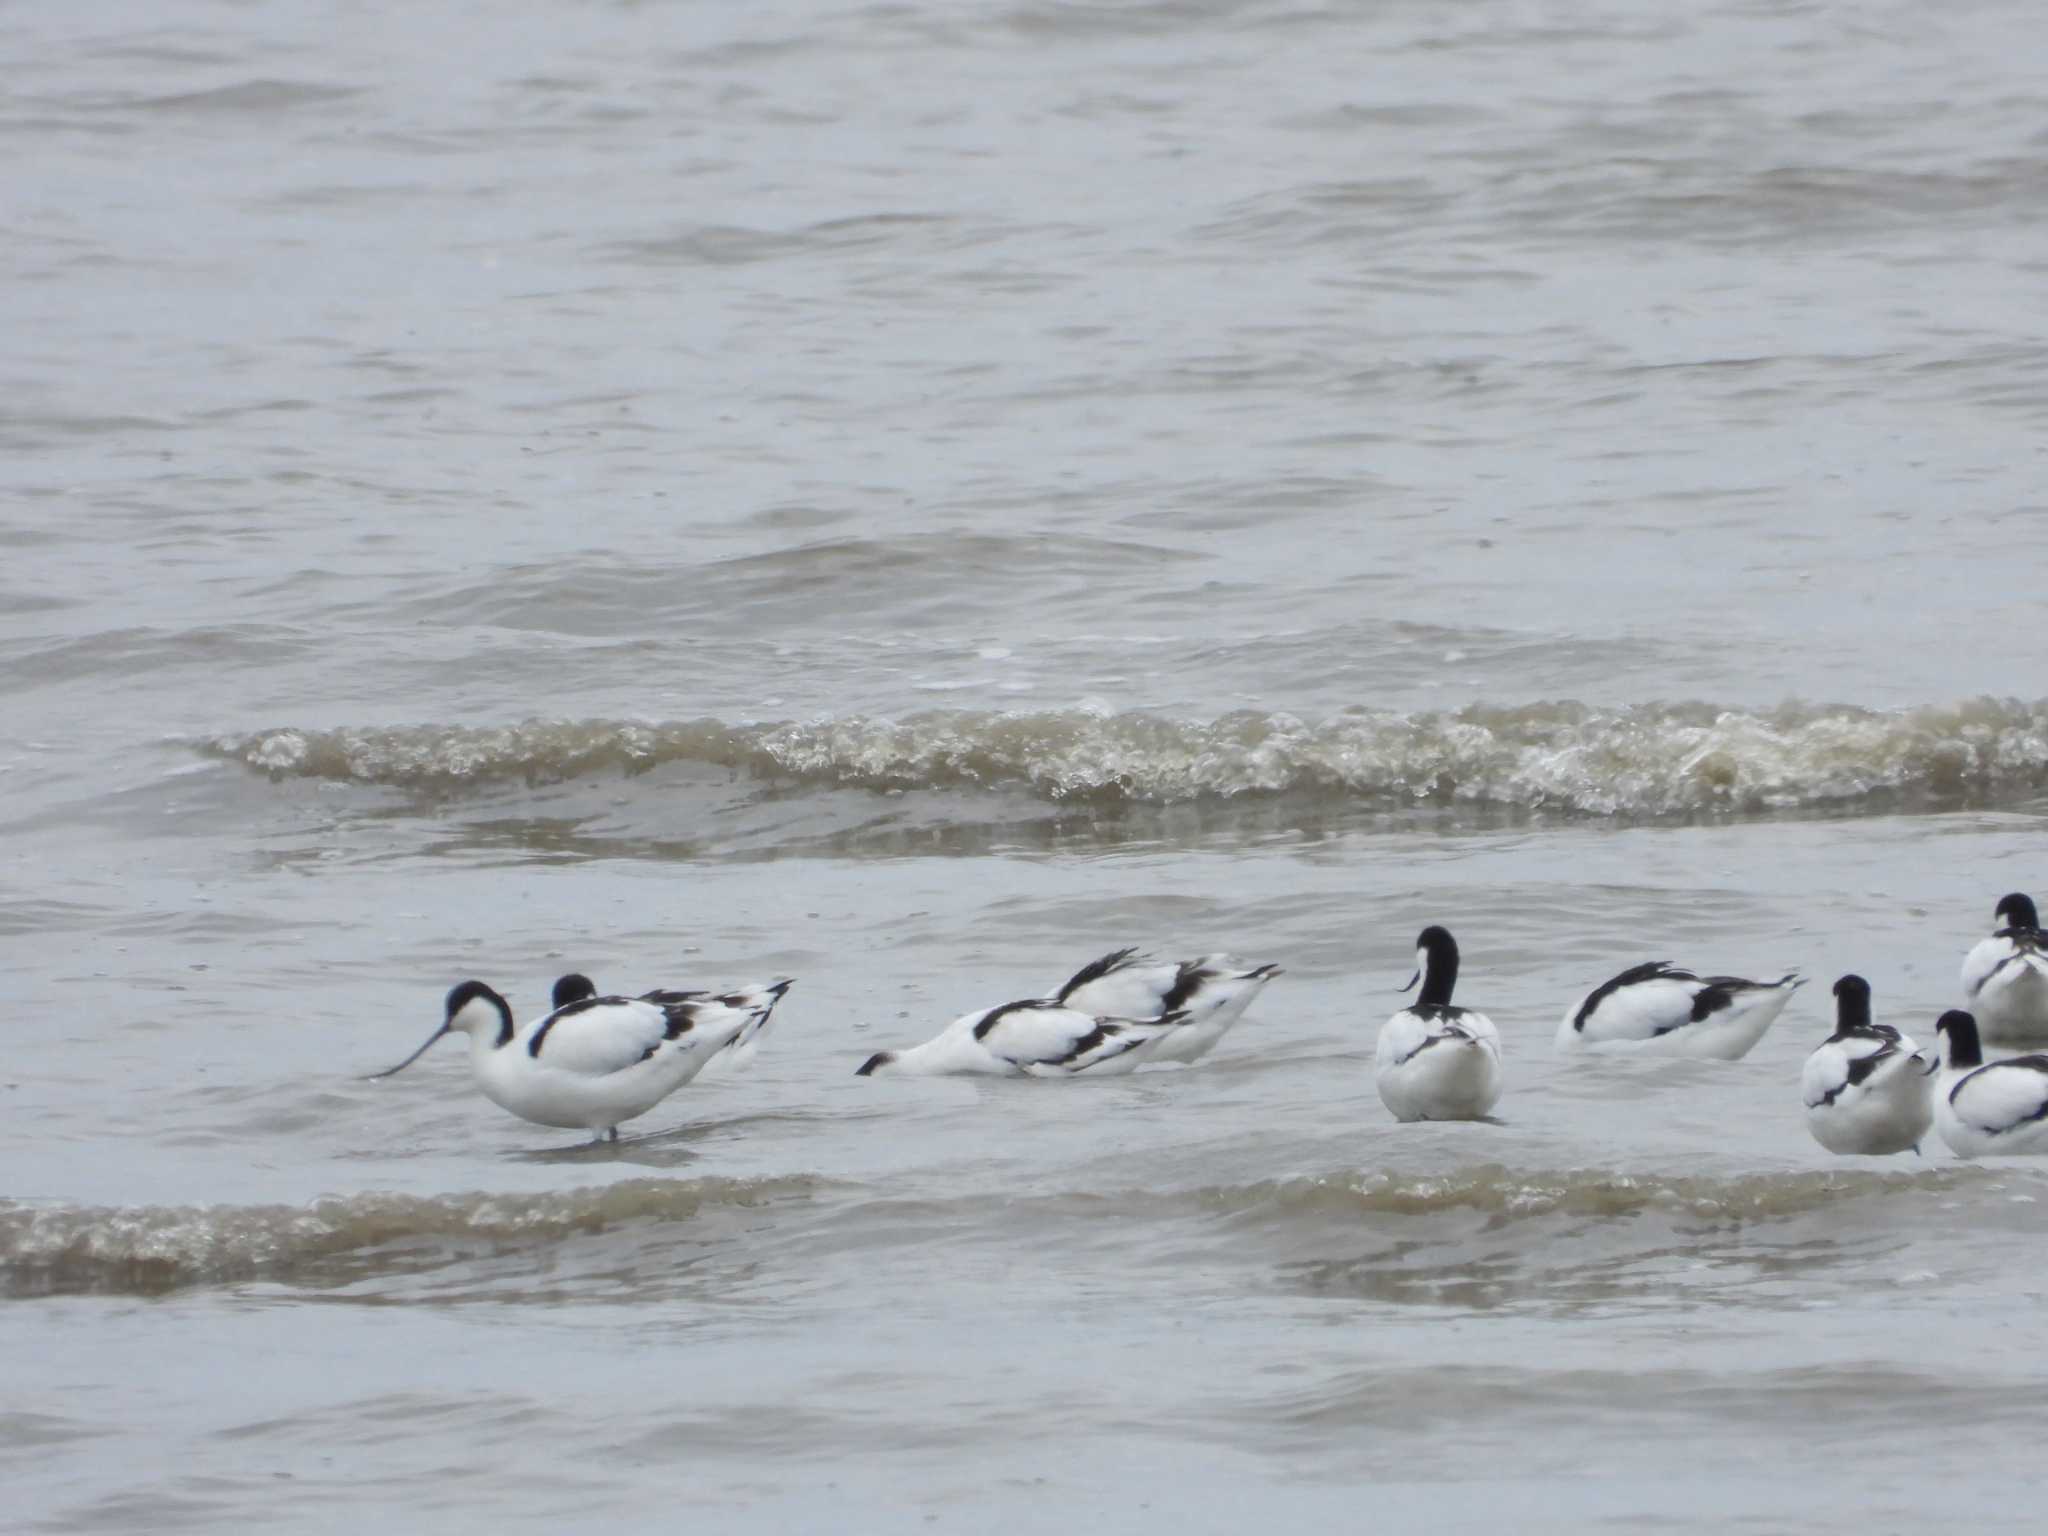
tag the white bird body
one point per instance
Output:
(1662, 1009)
(1035, 1037)
(1213, 992)
(1436, 1061)
(1868, 1090)
(1438, 1064)
(595, 1062)
(1995, 1110)
(759, 1001)
(2005, 977)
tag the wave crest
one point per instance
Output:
(147, 1250)
(1494, 1190)
(1642, 760)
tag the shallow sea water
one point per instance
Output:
(910, 497)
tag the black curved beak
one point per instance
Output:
(415, 1056)
(1411, 983)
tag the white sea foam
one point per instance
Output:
(1648, 760)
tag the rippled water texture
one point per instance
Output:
(913, 496)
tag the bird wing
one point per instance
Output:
(598, 1036)
(1124, 984)
(1985, 956)
(2003, 1095)
(1639, 1004)
(1212, 984)
(1718, 992)
(1108, 1041)
(1404, 1034)
(1121, 985)
(2000, 955)
(1042, 1038)
(1825, 1074)
(1472, 1024)
(1838, 1065)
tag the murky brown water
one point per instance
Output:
(910, 497)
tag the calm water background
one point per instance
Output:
(910, 496)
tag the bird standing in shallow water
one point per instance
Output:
(594, 1062)
(2005, 976)
(1868, 1090)
(1437, 1061)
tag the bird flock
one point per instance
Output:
(596, 1061)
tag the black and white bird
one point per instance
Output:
(594, 1062)
(758, 1000)
(1999, 1110)
(1213, 992)
(1437, 1061)
(2005, 977)
(1033, 1038)
(1662, 1009)
(1868, 1089)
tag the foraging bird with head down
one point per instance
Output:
(593, 1063)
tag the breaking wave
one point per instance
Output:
(147, 1250)
(1497, 1191)
(342, 1240)
(1645, 760)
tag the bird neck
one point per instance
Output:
(1852, 1012)
(1439, 976)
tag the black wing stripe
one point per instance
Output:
(1186, 983)
(1099, 1035)
(1718, 993)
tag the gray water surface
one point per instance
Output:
(910, 497)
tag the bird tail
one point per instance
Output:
(758, 1003)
